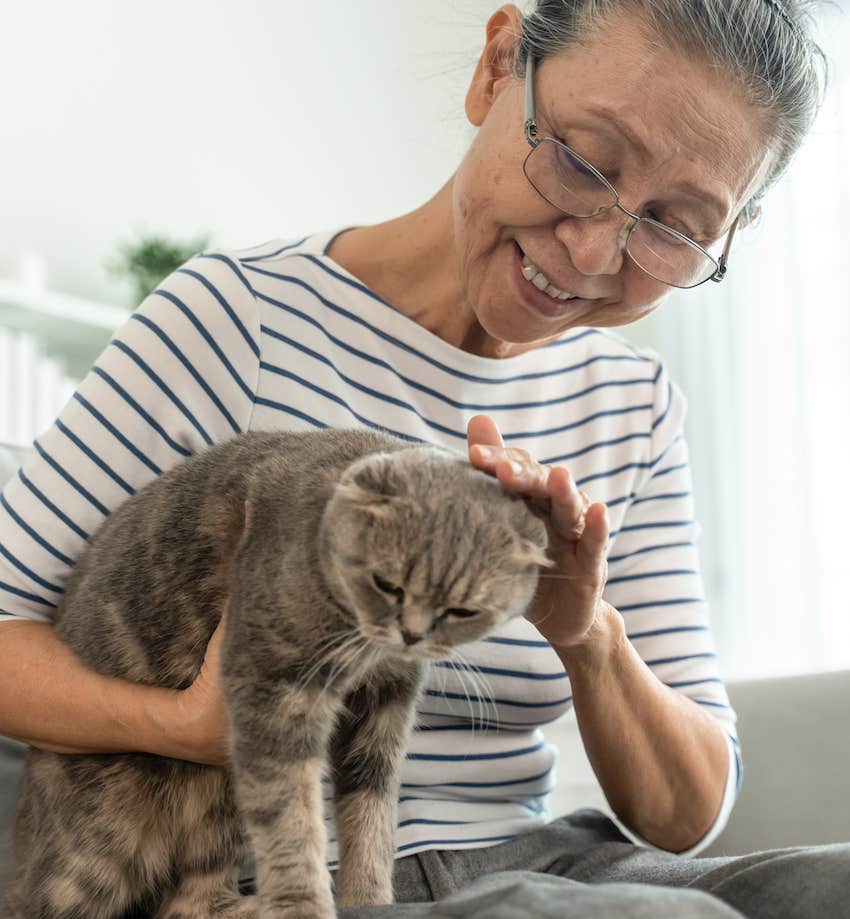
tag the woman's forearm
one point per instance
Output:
(51, 700)
(661, 760)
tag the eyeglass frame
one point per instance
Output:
(533, 138)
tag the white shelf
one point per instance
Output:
(72, 329)
(60, 306)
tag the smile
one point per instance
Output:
(532, 273)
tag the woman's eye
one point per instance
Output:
(388, 588)
(461, 613)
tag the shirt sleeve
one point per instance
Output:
(179, 375)
(656, 584)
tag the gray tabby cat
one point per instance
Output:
(346, 561)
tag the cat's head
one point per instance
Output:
(427, 551)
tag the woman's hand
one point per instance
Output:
(199, 722)
(568, 603)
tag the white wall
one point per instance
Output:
(253, 120)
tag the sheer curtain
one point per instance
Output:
(764, 360)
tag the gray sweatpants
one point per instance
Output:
(577, 867)
(581, 866)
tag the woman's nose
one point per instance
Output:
(596, 245)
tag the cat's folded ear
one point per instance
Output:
(372, 484)
(527, 552)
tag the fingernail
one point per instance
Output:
(484, 452)
(516, 468)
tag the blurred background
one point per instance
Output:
(238, 123)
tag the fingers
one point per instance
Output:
(594, 540)
(481, 429)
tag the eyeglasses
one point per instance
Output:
(567, 181)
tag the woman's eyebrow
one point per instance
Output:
(699, 192)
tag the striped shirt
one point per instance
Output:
(281, 337)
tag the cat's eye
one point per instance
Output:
(461, 613)
(388, 588)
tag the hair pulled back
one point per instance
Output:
(763, 45)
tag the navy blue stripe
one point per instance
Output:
(711, 704)
(602, 443)
(513, 702)
(52, 507)
(70, 479)
(423, 822)
(650, 574)
(674, 660)
(526, 802)
(117, 434)
(224, 304)
(26, 596)
(269, 403)
(613, 502)
(470, 406)
(684, 628)
(679, 683)
(664, 414)
(611, 472)
(260, 258)
(207, 338)
(665, 545)
(655, 526)
(483, 724)
(523, 781)
(164, 387)
(94, 458)
(32, 533)
(188, 365)
(661, 472)
(683, 601)
(523, 642)
(28, 571)
(453, 758)
(141, 411)
(498, 671)
(451, 371)
(667, 497)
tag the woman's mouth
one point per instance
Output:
(535, 289)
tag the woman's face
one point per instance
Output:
(676, 140)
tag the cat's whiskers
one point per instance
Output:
(322, 652)
(481, 687)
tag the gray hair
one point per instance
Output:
(764, 45)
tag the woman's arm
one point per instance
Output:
(49, 699)
(661, 760)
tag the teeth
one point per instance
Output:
(531, 273)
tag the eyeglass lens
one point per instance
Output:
(565, 181)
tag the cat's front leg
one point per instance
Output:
(279, 750)
(367, 750)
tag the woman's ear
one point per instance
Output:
(504, 29)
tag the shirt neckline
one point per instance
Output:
(319, 243)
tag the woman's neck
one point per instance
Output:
(411, 262)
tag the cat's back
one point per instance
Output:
(146, 594)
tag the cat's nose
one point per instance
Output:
(410, 638)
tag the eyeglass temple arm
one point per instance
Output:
(530, 123)
(722, 263)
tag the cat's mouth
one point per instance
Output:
(395, 639)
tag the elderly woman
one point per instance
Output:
(620, 145)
